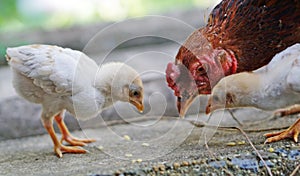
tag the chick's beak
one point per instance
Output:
(212, 106)
(208, 107)
(138, 104)
(183, 104)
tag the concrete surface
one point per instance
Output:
(169, 140)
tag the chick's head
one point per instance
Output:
(231, 91)
(127, 86)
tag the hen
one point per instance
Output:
(241, 35)
(276, 85)
(63, 79)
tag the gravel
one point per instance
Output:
(281, 162)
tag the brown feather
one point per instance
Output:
(255, 30)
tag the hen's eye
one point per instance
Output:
(201, 70)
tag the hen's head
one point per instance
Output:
(198, 67)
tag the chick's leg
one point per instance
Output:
(291, 132)
(66, 134)
(59, 149)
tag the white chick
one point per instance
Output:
(64, 79)
(276, 85)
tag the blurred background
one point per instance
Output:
(18, 15)
(148, 43)
(22, 16)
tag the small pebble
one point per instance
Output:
(274, 161)
(161, 167)
(241, 142)
(145, 144)
(196, 168)
(118, 172)
(128, 155)
(139, 160)
(100, 147)
(126, 137)
(185, 163)
(228, 163)
(203, 161)
(231, 144)
(155, 168)
(271, 150)
(176, 165)
(194, 162)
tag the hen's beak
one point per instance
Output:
(183, 104)
(138, 104)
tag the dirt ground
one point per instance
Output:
(138, 145)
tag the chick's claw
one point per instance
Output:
(292, 132)
(75, 141)
(60, 149)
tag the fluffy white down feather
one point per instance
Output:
(61, 78)
(273, 86)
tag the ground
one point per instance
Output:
(152, 147)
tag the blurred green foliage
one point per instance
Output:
(8, 11)
(13, 17)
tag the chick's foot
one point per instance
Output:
(66, 136)
(60, 149)
(291, 132)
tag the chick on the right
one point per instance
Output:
(274, 86)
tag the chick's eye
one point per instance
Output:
(216, 98)
(136, 93)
